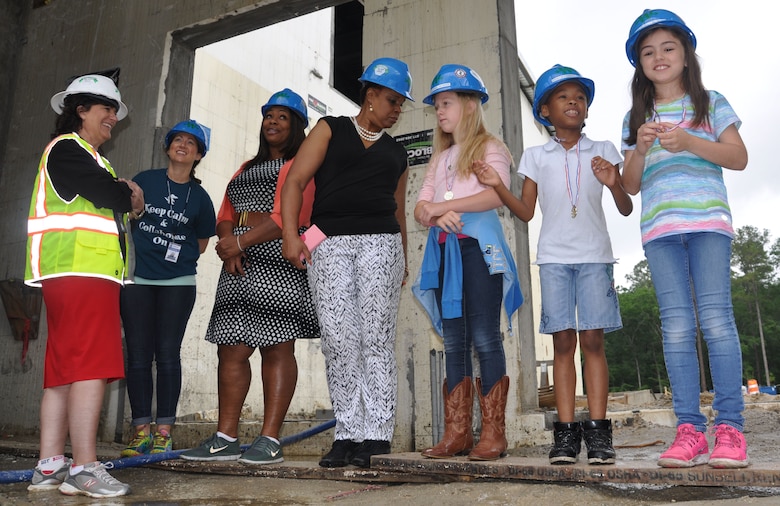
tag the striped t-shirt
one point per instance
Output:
(682, 192)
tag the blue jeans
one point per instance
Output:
(691, 272)
(480, 323)
(154, 319)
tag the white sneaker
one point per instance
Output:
(94, 481)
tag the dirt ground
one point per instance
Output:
(155, 486)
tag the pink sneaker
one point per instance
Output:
(730, 448)
(689, 449)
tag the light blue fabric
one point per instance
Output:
(486, 228)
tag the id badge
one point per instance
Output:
(172, 255)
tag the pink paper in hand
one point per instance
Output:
(312, 238)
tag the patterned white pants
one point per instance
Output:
(356, 288)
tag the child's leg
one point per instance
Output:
(564, 373)
(595, 373)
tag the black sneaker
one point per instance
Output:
(598, 440)
(340, 453)
(568, 441)
(368, 448)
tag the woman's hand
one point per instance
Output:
(292, 249)
(235, 265)
(228, 247)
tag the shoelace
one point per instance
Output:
(101, 472)
(161, 440)
(686, 437)
(726, 436)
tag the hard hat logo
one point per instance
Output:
(461, 78)
(390, 73)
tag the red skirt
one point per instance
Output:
(85, 330)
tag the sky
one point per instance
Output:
(737, 52)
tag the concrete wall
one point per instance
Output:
(154, 42)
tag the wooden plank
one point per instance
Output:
(765, 474)
(412, 468)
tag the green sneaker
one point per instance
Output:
(214, 448)
(140, 445)
(162, 442)
(263, 451)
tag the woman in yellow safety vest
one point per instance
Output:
(76, 253)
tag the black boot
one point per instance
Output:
(568, 440)
(598, 440)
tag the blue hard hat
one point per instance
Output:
(390, 73)
(454, 77)
(288, 98)
(654, 18)
(193, 128)
(551, 79)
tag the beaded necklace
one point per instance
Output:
(365, 134)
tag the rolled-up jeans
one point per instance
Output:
(154, 319)
(697, 265)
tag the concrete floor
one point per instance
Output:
(523, 478)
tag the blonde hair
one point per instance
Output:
(474, 136)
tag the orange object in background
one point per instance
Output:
(752, 387)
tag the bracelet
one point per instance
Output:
(238, 242)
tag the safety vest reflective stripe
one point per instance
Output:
(67, 222)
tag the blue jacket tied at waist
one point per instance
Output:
(486, 228)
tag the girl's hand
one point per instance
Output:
(673, 139)
(605, 172)
(227, 247)
(646, 135)
(450, 222)
(486, 174)
(428, 213)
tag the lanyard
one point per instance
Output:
(573, 200)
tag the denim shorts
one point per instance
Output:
(579, 297)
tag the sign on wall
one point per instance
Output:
(418, 145)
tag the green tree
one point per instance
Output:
(635, 353)
(754, 272)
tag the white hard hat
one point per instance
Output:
(92, 84)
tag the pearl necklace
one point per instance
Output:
(365, 134)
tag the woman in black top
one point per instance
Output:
(356, 273)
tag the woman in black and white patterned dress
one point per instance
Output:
(262, 301)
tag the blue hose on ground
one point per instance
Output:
(141, 460)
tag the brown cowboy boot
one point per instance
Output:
(458, 438)
(492, 441)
